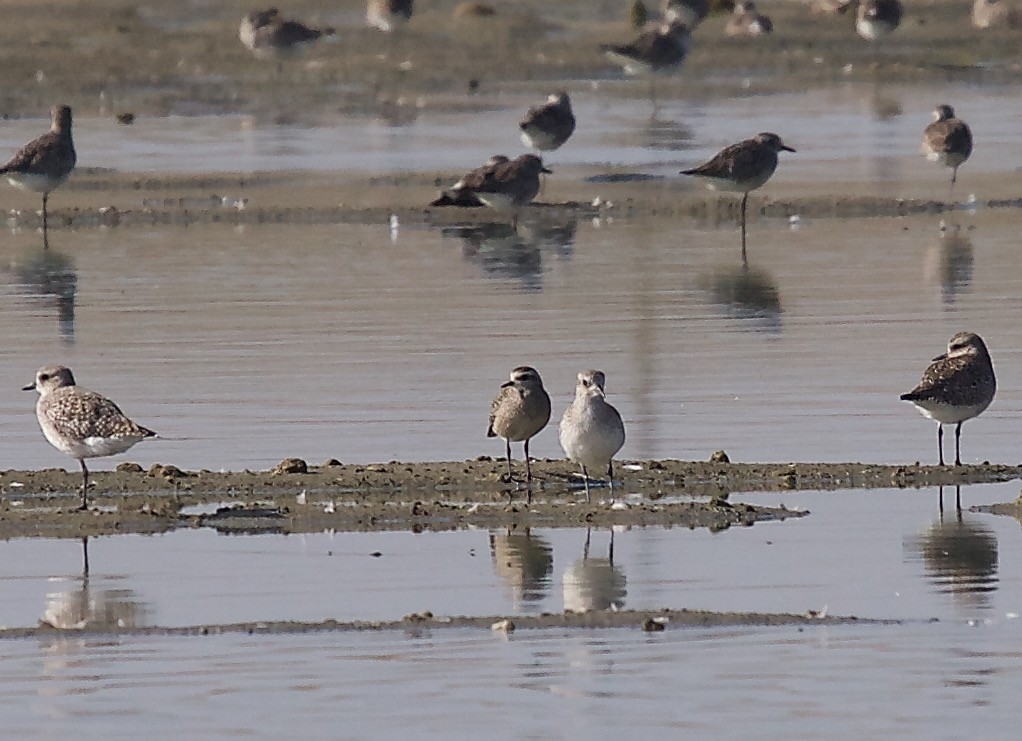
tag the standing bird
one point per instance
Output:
(44, 163)
(386, 15)
(591, 430)
(742, 167)
(657, 52)
(877, 18)
(548, 126)
(947, 141)
(520, 411)
(268, 36)
(956, 387)
(79, 422)
(747, 22)
(460, 194)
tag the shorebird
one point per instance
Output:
(742, 167)
(501, 184)
(995, 14)
(747, 21)
(548, 126)
(658, 51)
(591, 431)
(386, 15)
(461, 193)
(948, 141)
(518, 413)
(689, 13)
(79, 422)
(830, 7)
(269, 36)
(956, 387)
(877, 18)
(45, 162)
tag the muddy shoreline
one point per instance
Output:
(298, 497)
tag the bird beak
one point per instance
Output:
(507, 385)
(547, 171)
(30, 387)
(939, 357)
(786, 148)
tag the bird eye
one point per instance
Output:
(44, 377)
(585, 381)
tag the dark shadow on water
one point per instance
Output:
(593, 583)
(524, 562)
(959, 557)
(504, 252)
(949, 264)
(48, 277)
(748, 294)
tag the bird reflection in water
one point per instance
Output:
(97, 609)
(524, 562)
(594, 583)
(748, 294)
(959, 556)
(949, 264)
(49, 277)
(503, 252)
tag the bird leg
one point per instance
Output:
(610, 479)
(528, 466)
(46, 197)
(954, 177)
(85, 486)
(585, 479)
(940, 442)
(958, 501)
(745, 203)
(958, 444)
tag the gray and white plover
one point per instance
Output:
(689, 13)
(956, 387)
(269, 36)
(79, 422)
(591, 430)
(877, 18)
(742, 168)
(947, 141)
(659, 51)
(995, 14)
(519, 412)
(746, 21)
(387, 15)
(45, 162)
(548, 126)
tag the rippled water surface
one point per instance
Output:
(243, 346)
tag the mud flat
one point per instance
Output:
(298, 497)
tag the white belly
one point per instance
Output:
(33, 181)
(947, 414)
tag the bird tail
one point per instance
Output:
(910, 396)
(443, 200)
(146, 432)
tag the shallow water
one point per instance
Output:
(243, 346)
(874, 554)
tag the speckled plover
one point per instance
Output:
(956, 387)
(269, 36)
(548, 126)
(747, 21)
(877, 18)
(79, 422)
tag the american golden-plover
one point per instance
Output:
(519, 412)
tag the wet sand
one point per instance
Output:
(297, 497)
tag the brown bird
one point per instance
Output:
(269, 36)
(659, 51)
(690, 13)
(742, 167)
(519, 412)
(548, 126)
(44, 163)
(947, 141)
(501, 184)
(461, 193)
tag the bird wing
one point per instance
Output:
(944, 378)
(83, 414)
(726, 162)
(546, 117)
(37, 154)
